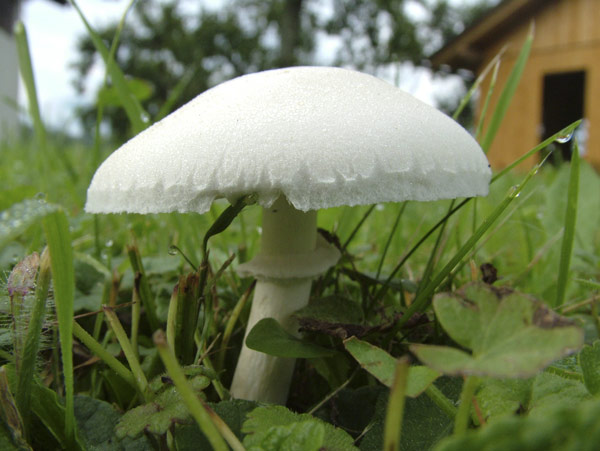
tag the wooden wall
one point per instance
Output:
(567, 38)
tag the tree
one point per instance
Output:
(165, 44)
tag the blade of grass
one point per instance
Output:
(100, 111)
(134, 364)
(508, 92)
(395, 407)
(541, 146)
(56, 228)
(467, 97)
(147, 299)
(569, 228)
(32, 340)
(358, 226)
(461, 422)
(175, 94)
(389, 240)
(136, 309)
(26, 71)
(138, 118)
(98, 350)
(28, 79)
(422, 300)
(215, 429)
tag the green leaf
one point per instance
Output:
(501, 397)
(383, 366)
(306, 436)
(589, 359)
(96, 421)
(16, 219)
(262, 420)
(270, 337)
(164, 411)
(56, 228)
(189, 437)
(332, 310)
(510, 334)
(551, 392)
(573, 428)
(140, 89)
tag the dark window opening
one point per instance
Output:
(563, 105)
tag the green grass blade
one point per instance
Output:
(130, 355)
(395, 407)
(138, 118)
(215, 430)
(18, 217)
(508, 92)
(488, 98)
(32, 340)
(389, 240)
(175, 94)
(568, 130)
(358, 226)
(56, 228)
(145, 293)
(26, 71)
(467, 97)
(569, 228)
(99, 351)
(424, 296)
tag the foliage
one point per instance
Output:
(497, 368)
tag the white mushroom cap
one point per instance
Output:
(321, 136)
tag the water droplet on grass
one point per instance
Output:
(564, 138)
(173, 250)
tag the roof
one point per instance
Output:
(466, 50)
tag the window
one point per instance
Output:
(562, 104)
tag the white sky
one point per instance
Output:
(53, 29)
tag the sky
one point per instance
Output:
(53, 30)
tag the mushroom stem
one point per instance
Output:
(280, 290)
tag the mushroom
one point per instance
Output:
(300, 139)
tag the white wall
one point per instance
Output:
(8, 85)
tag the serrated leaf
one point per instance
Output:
(157, 416)
(501, 397)
(16, 219)
(262, 419)
(574, 428)
(550, 392)
(510, 334)
(589, 359)
(382, 365)
(96, 421)
(189, 437)
(306, 436)
(270, 337)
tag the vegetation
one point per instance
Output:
(446, 325)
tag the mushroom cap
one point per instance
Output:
(321, 136)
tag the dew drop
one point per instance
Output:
(109, 243)
(561, 139)
(173, 250)
(145, 117)
(40, 197)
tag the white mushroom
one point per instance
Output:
(300, 139)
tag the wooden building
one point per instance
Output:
(561, 82)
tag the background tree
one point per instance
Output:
(163, 44)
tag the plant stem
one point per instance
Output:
(436, 395)
(461, 422)
(395, 408)
(215, 430)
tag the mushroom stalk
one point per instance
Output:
(283, 286)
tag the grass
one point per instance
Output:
(538, 230)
